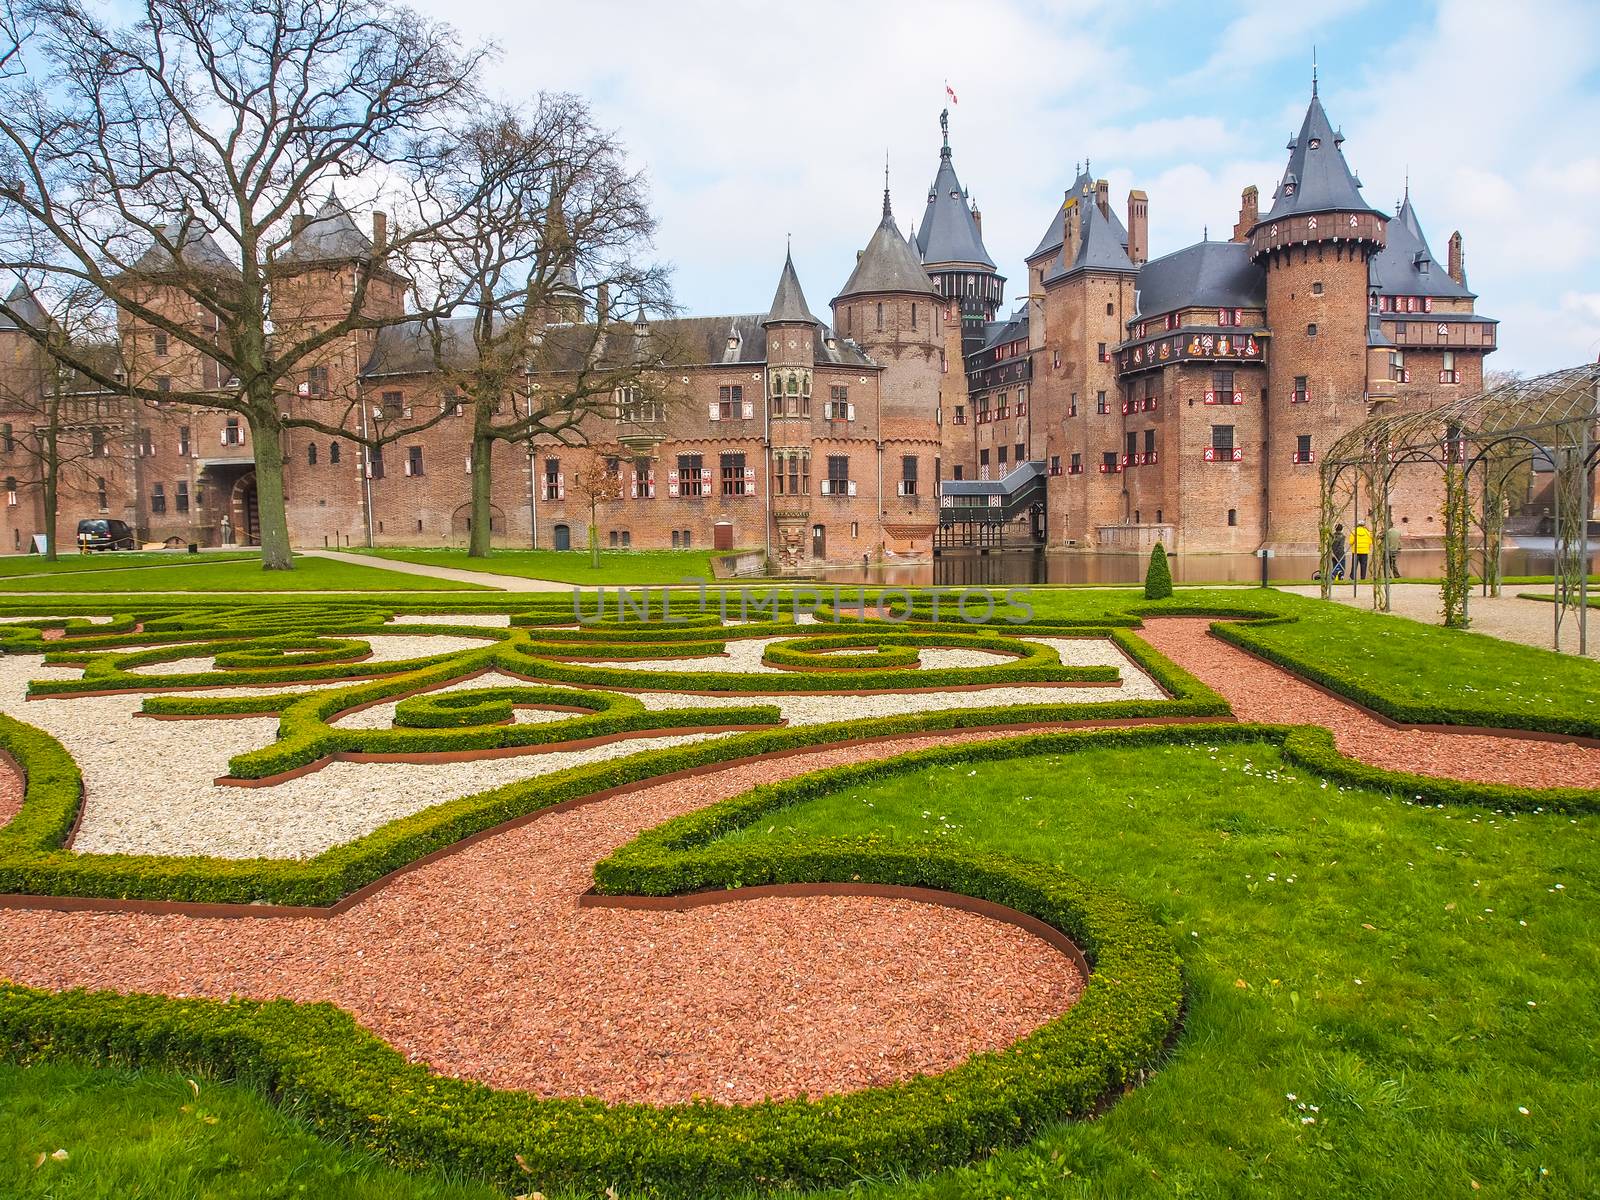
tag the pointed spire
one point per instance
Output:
(1317, 178)
(1313, 71)
(888, 264)
(888, 214)
(948, 233)
(789, 302)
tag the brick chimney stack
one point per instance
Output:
(1102, 196)
(1249, 213)
(1138, 227)
(977, 218)
(380, 232)
(1071, 227)
(1458, 261)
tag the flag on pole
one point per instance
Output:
(949, 91)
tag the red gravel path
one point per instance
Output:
(483, 965)
(1258, 691)
(11, 787)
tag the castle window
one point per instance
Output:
(1101, 404)
(730, 402)
(158, 498)
(1302, 448)
(838, 483)
(181, 496)
(97, 443)
(961, 414)
(100, 494)
(908, 475)
(1316, 288)
(8, 437)
(1302, 390)
(161, 345)
(553, 481)
(880, 318)
(959, 472)
(691, 475)
(311, 454)
(1448, 373)
(733, 482)
(913, 316)
(413, 460)
(1072, 407)
(1022, 451)
(1233, 516)
(1075, 466)
(11, 490)
(232, 433)
(317, 381)
(1103, 356)
(1150, 445)
(1055, 464)
(183, 441)
(375, 462)
(1311, 330)
(333, 453)
(1001, 452)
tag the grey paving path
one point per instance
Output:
(1530, 622)
(509, 583)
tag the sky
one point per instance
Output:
(758, 123)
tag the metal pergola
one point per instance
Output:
(1478, 445)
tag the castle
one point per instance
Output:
(1126, 400)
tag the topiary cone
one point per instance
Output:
(1158, 578)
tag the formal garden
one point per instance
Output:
(1076, 892)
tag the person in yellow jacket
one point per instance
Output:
(1361, 545)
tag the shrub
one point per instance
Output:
(1158, 577)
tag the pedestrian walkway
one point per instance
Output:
(1508, 617)
(507, 583)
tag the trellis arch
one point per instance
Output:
(1479, 441)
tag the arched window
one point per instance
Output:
(333, 452)
(880, 318)
(311, 454)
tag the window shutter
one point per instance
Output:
(469, 464)
(672, 483)
(749, 409)
(561, 485)
(714, 412)
(650, 484)
(852, 487)
(749, 479)
(223, 437)
(849, 412)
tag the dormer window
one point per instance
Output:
(1314, 143)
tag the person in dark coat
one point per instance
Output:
(1338, 552)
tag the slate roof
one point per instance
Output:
(330, 236)
(1317, 178)
(22, 300)
(1102, 244)
(196, 247)
(1406, 266)
(407, 349)
(997, 333)
(1082, 188)
(1205, 275)
(888, 264)
(789, 301)
(948, 232)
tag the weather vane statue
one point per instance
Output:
(944, 124)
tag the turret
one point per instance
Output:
(950, 243)
(888, 297)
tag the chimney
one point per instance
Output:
(1458, 261)
(602, 304)
(380, 232)
(1071, 229)
(1102, 196)
(977, 219)
(298, 223)
(1138, 227)
(1249, 213)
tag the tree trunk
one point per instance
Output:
(481, 537)
(594, 536)
(52, 498)
(267, 433)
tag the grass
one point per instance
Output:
(138, 1133)
(12, 565)
(571, 566)
(218, 573)
(1416, 974)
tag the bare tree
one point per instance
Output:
(165, 163)
(600, 482)
(560, 232)
(56, 421)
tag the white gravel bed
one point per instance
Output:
(386, 647)
(90, 620)
(483, 620)
(149, 784)
(381, 716)
(744, 658)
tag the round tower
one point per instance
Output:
(1314, 244)
(950, 244)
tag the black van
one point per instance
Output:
(100, 533)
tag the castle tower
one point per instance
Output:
(950, 243)
(1315, 245)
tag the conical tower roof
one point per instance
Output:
(789, 302)
(1082, 190)
(888, 264)
(1317, 178)
(25, 304)
(948, 232)
(196, 247)
(332, 235)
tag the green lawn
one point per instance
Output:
(33, 564)
(147, 1134)
(209, 573)
(1415, 974)
(571, 566)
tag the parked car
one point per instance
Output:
(102, 533)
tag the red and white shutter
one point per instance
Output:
(672, 483)
(561, 485)
(749, 479)
(714, 414)
(852, 487)
(650, 483)
(749, 409)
